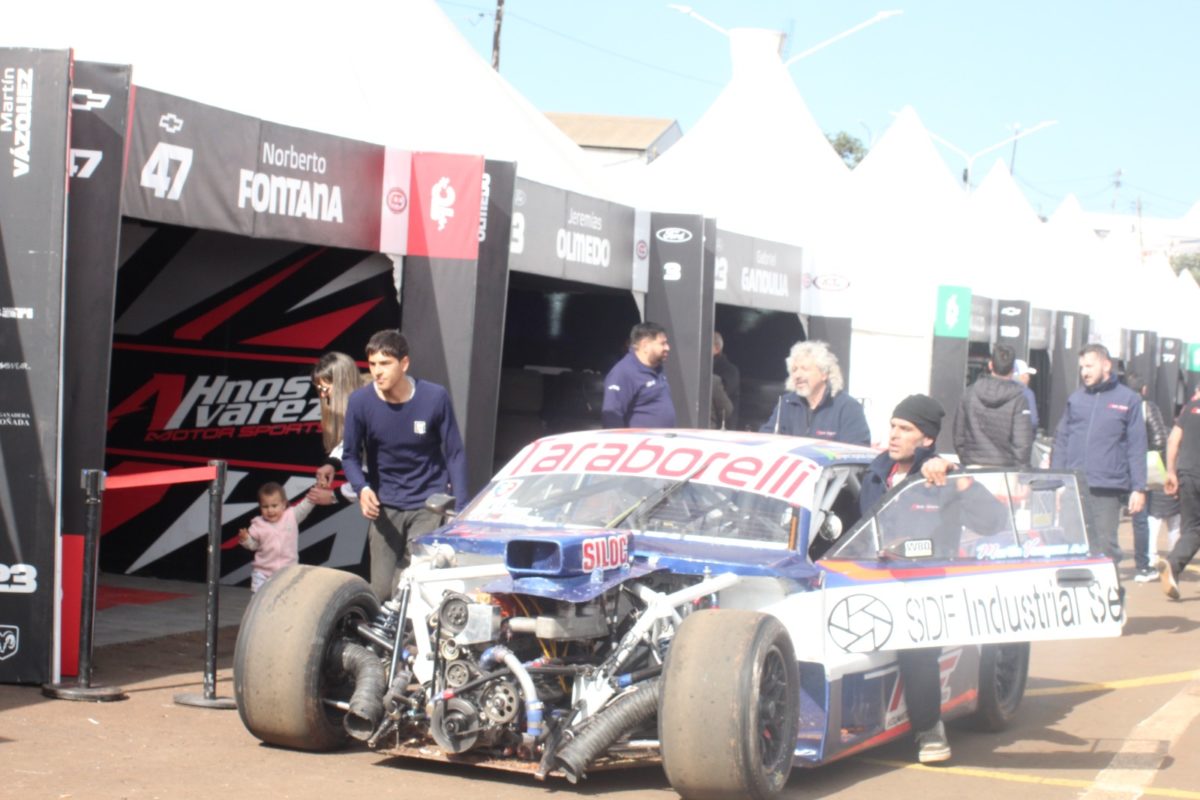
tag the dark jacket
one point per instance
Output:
(731, 377)
(993, 427)
(1103, 433)
(637, 396)
(722, 407)
(875, 481)
(838, 418)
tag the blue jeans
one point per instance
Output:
(1141, 540)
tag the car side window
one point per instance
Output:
(977, 515)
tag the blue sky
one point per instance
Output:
(1121, 78)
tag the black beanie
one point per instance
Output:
(923, 411)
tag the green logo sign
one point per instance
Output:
(1194, 358)
(953, 312)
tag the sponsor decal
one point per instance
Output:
(219, 407)
(780, 476)
(170, 123)
(582, 248)
(672, 271)
(721, 273)
(860, 623)
(897, 710)
(1010, 331)
(485, 194)
(15, 365)
(16, 312)
(10, 641)
(397, 200)
(1010, 311)
(441, 202)
(166, 170)
(764, 281)
(605, 552)
(641, 248)
(1118, 407)
(290, 196)
(419, 427)
(673, 235)
(918, 548)
(87, 100)
(831, 283)
(16, 115)
(15, 419)
(18, 579)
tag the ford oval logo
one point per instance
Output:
(831, 283)
(673, 235)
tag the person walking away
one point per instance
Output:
(1159, 504)
(1102, 433)
(274, 534)
(1183, 480)
(731, 380)
(400, 446)
(992, 427)
(636, 392)
(815, 404)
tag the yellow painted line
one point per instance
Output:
(1070, 783)
(1128, 683)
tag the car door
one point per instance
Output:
(993, 556)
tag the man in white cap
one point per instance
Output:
(1021, 372)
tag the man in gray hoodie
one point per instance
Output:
(993, 427)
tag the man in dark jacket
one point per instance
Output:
(993, 425)
(915, 424)
(816, 406)
(636, 392)
(1102, 432)
(731, 380)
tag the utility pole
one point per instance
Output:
(1116, 183)
(496, 35)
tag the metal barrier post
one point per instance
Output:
(82, 689)
(209, 699)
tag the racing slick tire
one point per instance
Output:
(730, 706)
(1003, 670)
(279, 662)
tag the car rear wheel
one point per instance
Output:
(281, 674)
(1003, 670)
(730, 706)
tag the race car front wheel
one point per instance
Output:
(730, 706)
(1003, 669)
(283, 665)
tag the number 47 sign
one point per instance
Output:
(166, 171)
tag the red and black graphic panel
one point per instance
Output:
(215, 338)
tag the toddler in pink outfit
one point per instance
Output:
(273, 535)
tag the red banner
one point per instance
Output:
(444, 206)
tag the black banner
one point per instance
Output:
(680, 298)
(567, 235)
(757, 273)
(99, 100)
(1167, 389)
(1012, 326)
(1041, 323)
(1141, 356)
(204, 167)
(34, 121)
(1070, 335)
(981, 319)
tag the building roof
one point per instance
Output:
(615, 132)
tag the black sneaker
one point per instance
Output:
(932, 745)
(1147, 575)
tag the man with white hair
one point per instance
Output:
(816, 405)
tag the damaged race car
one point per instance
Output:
(711, 600)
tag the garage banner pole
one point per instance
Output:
(209, 699)
(82, 688)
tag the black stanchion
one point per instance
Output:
(209, 699)
(82, 689)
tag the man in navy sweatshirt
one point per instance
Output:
(401, 445)
(1103, 433)
(636, 393)
(815, 404)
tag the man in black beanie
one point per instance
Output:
(914, 428)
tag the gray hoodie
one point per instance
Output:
(993, 427)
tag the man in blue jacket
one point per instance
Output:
(1103, 433)
(636, 392)
(816, 406)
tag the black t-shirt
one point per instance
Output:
(1187, 462)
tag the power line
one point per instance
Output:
(583, 43)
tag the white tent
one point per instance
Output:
(1009, 245)
(1188, 293)
(1074, 250)
(398, 74)
(756, 160)
(898, 241)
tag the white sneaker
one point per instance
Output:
(932, 745)
(1167, 577)
(1147, 575)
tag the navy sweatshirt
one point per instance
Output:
(637, 396)
(411, 450)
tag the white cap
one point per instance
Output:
(1022, 368)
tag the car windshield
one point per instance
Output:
(633, 501)
(975, 516)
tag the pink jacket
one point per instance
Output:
(274, 544)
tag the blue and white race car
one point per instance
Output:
(714, 600)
